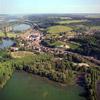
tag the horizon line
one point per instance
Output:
(48, 13)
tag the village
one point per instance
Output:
(31, 40)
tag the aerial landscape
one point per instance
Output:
(48, 52)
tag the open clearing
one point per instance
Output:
(10, 35)
(92, 16)
(58, 29)
(95, 28)
(20, 54)
(71, 21)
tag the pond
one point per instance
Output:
(21, 27)
(6, 43)
(24, 86)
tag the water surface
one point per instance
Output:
(6, 43)
(21, 27)
(23, 86)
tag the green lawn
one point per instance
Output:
(56, 43)
(2, 34)
(71, 21)
(73, 45)
(10, 35)
(58, 29)
(21, 54)
(0, 41)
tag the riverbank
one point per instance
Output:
(57, 84)
(42, 64)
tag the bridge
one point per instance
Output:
(8, 26)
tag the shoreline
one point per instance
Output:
(54, 83)
(44, 79)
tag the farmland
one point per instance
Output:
(20, 54)
(58, 29)
(71, 21)
(9, 34)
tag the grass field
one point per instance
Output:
(73, 46)
(10, 35)
(0, 41)
(58, 29)
(70, 21)
(21, 54)
(55, 35)
(95, 27)
(56, 43)
(93, 16)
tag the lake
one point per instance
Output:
(6, 43)
(21, 27)
(24, 86)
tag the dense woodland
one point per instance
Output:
(89, 45)
(45, 65)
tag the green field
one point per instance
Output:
(71, 21)
(92, 16)
(55, 35)
(21, 54)
(10, 35)
(0, 41)
(58, 29)
(55, 43)
(73, 46)
(95, 27)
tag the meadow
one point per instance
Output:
(71, 21)
(9, 34)
(58, 29)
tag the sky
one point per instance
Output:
(49, 6)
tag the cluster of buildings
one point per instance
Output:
(32, 37)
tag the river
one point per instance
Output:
(6, 43)
(24, 86)
(21, 27)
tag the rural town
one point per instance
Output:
(49, 56)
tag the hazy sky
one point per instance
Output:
(49, 6)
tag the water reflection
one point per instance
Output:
(6, 43)
(21, 27)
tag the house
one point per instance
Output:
(14, 49)
(83, 64)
